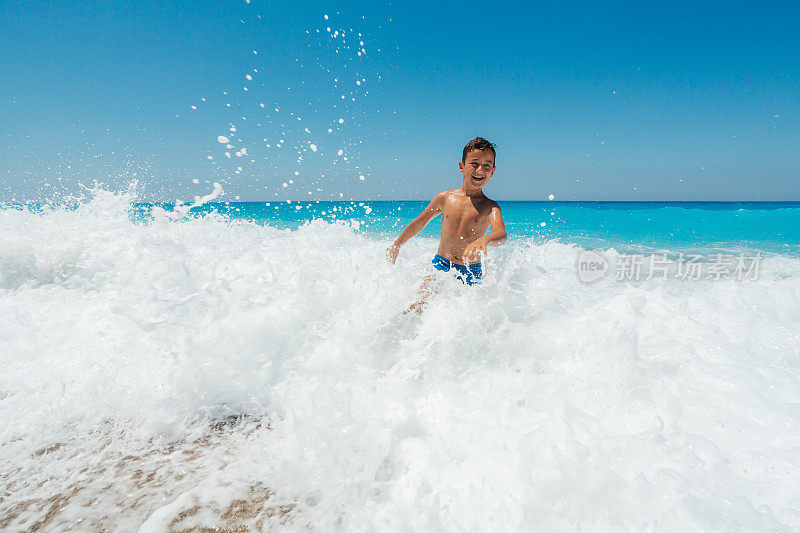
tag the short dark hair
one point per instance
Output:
(479, 143)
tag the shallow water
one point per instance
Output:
(164, 373)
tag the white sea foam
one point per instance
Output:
(201, 371)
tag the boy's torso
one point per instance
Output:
(464, 219)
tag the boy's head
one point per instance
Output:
(479, 143)
(477, 163)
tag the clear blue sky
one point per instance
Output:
(585, 100)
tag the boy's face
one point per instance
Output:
(477, 168)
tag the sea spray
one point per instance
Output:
(296, 128)
(220, 372)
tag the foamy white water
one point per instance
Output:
(220, 373)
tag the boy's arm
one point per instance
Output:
(495, 238)
(415, 226)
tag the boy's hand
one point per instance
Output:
(391, 253)
(472, 252)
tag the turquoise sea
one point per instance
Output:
(628, 226)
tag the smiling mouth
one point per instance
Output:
(476, 178)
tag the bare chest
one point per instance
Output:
(460, 213)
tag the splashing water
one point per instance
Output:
(211, 371)
(312, 124)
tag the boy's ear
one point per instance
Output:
(461, 166)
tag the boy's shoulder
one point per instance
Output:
(441, 198)
(492, 203)
(447, 198)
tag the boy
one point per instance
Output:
(466, 215)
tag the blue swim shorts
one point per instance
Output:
(469, 274)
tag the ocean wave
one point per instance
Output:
(204, 370)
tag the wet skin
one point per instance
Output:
(464, 220)
(466, 215)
